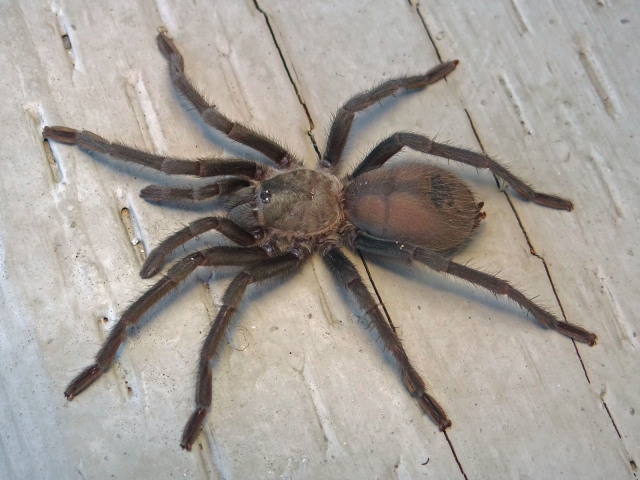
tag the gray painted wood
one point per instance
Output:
(301, 388)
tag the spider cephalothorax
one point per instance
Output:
(291, 207)
(281, 215)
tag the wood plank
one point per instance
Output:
(301, 389)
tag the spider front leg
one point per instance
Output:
(392, 145)
(254, 273)
(226, 227)
(177, 273)
(201, 167)
(213, 117)
(495, 285)
(346, 273)
(161, 194)
(339, 131)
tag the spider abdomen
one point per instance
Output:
(415, 203)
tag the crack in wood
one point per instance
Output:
(455, 456)
(286, 68)
(424, 24)
(532, 249)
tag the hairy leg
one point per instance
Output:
(392, 145)
(226, 227)
(162, 194)
(254, 273)
(496, 285)
(341, 125)
(203, 167)
(346, 273)
(176, 274)
(211, 115)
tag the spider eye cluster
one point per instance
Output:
(265, 196)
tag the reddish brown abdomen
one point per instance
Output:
(415, 203)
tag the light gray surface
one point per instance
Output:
(301, 390)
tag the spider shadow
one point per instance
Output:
(204, 275)
(447, 285)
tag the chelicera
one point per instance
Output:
(281, 215)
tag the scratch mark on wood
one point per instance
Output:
(128, 221)
(53, 163)
(520, 21)
(229, 72)
(624, 329)
(142, 106)
(207, 299)
(333, 446)
(211, 457)
(516, 102)
(326, 308)
(64, 35)
(600, 82)
(604, 178)
(35, 117)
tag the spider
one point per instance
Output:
(280, 215)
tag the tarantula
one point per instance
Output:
(281, 215)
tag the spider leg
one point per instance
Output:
(346, 273)
(253, 273)
(341, 125)
(226, 227)
(162, 194)
(495, 285)
(213, 117)
(176, 274)
(392, 145)
(202, 167)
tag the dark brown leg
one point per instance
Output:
(341, 126)
(175, 275)
(213, 117)
(392, 145)
(495, 285)
(162, 194)
(345, 272)
(203, 167)
(232, 297)
(226, 227)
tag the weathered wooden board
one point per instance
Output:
(301, 388)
